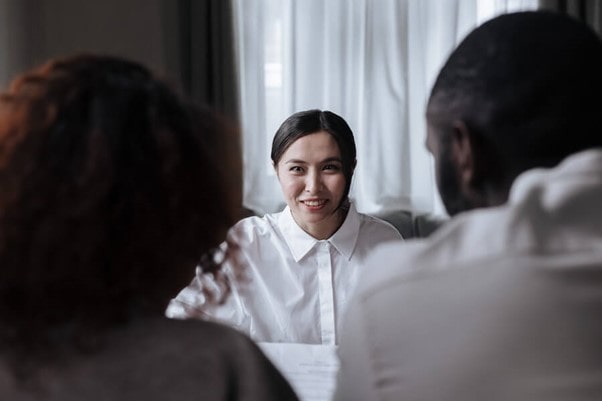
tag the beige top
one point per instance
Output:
(160, 359)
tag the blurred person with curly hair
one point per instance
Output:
(112, 185)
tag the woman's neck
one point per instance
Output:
(326, 228)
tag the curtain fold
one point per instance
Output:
(201, 51)
(20, 31)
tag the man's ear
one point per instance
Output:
(477, 165)
(465, 154)
(481, 175)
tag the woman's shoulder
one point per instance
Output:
(254, 227)
(200, 335)
(209, 357)
(159, 358)
(217, 355)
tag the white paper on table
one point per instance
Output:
(311, 369)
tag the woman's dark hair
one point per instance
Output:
(110, 193)
(308, 122)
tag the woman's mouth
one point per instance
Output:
(314, 202)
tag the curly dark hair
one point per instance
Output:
(112, 187)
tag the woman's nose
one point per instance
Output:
(313, 183)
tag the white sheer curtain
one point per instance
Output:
(370, 61)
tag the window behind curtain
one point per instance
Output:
(373, 63)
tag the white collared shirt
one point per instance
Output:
(295, 287)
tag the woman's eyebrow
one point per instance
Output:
(327, 160)
(332, 159)
(295, 161)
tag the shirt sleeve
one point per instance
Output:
(188, 303)
(192, 302)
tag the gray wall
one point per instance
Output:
(31, 31)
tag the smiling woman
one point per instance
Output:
(301, 264)
(312, 182)
(314, 155)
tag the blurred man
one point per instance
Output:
(505, 301)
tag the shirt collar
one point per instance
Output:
(300, 242)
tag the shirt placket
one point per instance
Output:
(326, 293)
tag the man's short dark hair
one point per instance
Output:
(529, 83)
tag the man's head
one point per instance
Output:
(523, 90)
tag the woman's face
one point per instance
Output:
(311, 176)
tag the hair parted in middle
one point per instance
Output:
(312, 121)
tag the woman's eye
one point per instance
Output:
(332, 167)
(295, 169)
